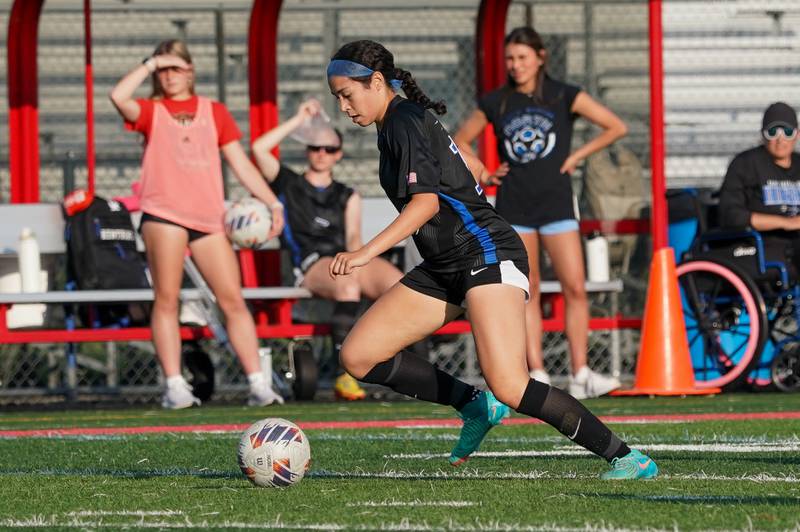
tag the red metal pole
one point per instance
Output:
(262, 269)
(657, 149)
(90, 162)
(23, 101)
(489, 69)
(262, 66)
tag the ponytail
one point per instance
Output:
(415, 93)
(370, 57)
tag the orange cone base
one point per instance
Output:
(664, 365)
(662, 392)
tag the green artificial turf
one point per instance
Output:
(399, 478)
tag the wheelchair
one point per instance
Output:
(741, 306)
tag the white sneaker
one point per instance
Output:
(178, 396)
(586, 384)
(540, 375)
(263, 395)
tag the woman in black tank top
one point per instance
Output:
(532, 116)
(432, 185)
(323, 217)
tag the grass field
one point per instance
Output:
(716, 473)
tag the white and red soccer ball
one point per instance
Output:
(247, 222)
(274, 453)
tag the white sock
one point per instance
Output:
(176, 381)
(256, 380)
(540, 375)
(582, 374)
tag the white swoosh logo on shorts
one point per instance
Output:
(476, 272)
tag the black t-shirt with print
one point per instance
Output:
(315, 221)
(535, 140)
(754, 183)
(418, 156)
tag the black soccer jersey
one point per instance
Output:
(535, 139)
(418, 156)
(315, 222)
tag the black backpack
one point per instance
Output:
(102, 255)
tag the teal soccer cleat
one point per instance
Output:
(479, 415)
(631, 466)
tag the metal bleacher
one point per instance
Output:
(724, 62)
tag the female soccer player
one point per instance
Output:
(323, 217)
(182, 201)
(473, 260)
(532, 117)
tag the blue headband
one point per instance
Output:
(351, 69)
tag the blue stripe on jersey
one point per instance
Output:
(294, 248)
(483, 236)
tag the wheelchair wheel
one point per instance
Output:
(726, 321)
(306, 372)
(785, 369)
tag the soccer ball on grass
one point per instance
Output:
(274, 453)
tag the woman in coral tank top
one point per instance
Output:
(182, 204)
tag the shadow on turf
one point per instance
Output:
(733, 500)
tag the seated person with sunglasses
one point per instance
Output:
(761, 189)
(323, 218)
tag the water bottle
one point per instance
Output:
(30, 262)
(597, 267)
(265, 358)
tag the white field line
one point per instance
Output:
(425, 475)
(186, 523)
(278, 524)
(698, 498)
(642, 441)
(126, 513)
(573, 451)
(537, 475)
(414, 503)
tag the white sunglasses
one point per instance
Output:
(772, 133)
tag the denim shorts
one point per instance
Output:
(551, 228)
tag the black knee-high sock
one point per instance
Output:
(571, 419)
(410, 375)
(344, 317)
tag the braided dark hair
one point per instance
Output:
(375, 56)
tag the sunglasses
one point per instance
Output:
(328, 149)
(789, 133)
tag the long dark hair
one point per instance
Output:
(375, 56)
(529, 37)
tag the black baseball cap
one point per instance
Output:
(779, 114)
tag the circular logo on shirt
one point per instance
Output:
(528, 134)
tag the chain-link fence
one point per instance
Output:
(724, 62)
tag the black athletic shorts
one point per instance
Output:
(453, 286)
(194, 234)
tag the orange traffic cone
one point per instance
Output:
(664, 366)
